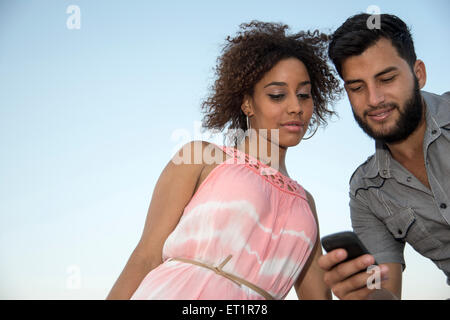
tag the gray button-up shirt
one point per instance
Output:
(390, 206)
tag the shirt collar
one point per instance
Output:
(380, 163)
(438, 108)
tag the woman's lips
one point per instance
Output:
(293, 128)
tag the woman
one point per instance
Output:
(239, 227)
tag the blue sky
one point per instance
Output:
(87, 118)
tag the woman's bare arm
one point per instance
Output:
(310, 284)
(173, 191)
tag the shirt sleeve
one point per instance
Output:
(374, 234)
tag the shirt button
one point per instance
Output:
(433, 132)
(408, 179)
(384, 172)
(443, 206)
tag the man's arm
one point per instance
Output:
(379, 241)
(392, 288)
(349, 280)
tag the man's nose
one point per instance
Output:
(375, 96)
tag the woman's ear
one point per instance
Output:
(247, 106)
(420, 72)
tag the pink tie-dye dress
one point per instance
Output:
(243, 208)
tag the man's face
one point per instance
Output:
(384, 92)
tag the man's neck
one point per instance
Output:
(409, 153)
(411, 147)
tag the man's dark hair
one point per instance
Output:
(353, 37)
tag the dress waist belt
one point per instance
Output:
(239, 281)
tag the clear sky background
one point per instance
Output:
(88, 117)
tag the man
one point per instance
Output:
(401, 193)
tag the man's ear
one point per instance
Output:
(420, 72)
(247, 106)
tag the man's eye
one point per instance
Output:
(276, 96)
(388, 79)
(355, 89)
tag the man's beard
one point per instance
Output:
(407, 122)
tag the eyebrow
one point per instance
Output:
(301, 84)
(387, 70)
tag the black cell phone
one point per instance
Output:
(347, 240)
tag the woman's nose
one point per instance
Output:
(295, 106)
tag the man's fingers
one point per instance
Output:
(367, 293)
(352, 285)
(349, 280)
(328, 261)
(346, 269)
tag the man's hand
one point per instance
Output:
(348, 280)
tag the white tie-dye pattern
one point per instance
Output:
(197, 225)
(240, 206)
(271, 266)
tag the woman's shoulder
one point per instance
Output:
(204, 155)
(309, 195)
(199, 152)
(311, 202)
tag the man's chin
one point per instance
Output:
(379, 131)
(382, 133)
(386, 136)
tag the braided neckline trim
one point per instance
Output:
(272, 175)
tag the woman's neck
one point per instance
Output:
(264, 150)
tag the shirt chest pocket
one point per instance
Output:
(405, 226)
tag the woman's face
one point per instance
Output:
(283, 95)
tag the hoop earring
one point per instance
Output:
(317, 127)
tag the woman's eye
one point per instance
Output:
(304, 96)
(276, 96)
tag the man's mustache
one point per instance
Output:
(391, 105)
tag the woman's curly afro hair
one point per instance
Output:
(256, 48)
